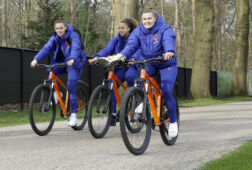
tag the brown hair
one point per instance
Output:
(150, 10)
(60, 20)
(132, 23)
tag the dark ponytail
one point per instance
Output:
(132, 23)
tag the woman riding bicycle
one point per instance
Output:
(155, 38)
(116, 45)
(66, 45)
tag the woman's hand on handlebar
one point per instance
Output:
(70, 62)
(168, 55)
(91, 61)
(33, 63)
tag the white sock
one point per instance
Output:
(114, 114)
(73, 114)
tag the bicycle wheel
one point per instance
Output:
(99, 111)
(135, 127)
(42, 110)
(165, 125)
(82, 100)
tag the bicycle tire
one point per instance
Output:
(99, 120)
(82, 114)
(40, 97)
(125, 132)
(164, 127)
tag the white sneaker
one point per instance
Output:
(139, 108)
(73, 120)
(173, 129)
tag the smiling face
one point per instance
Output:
(60, 29)
(148, 20)
(124, 30)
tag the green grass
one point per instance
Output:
(9, 118)
(240, 159)
(211, 101)
(12, 117)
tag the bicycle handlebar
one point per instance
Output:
(156, 59)
(128, 63)
(114, 65)
(50, 66)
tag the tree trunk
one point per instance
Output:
(162, 8)
(193, 17)
(239, 82)
(200, 81)
(217, 35)
(112, 29)
(122, 9)
(177, 28)
(73, 12)
(88, 22)
(4, 22)
(141, 7)
(1, 24)
(28, 13)
(20, 23)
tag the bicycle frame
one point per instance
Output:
(63, 105)
(150, 82)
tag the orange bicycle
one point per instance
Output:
(100, 104)
(146, 92)
(42, 106)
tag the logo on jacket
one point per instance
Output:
(67, 43)
(155, 38)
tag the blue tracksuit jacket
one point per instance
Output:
(63, 52)
(155, 42)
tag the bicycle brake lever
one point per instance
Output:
(61, 65)
(160, 58)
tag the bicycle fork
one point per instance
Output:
(50, 84)
(104, 110)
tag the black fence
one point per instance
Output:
(17, 79)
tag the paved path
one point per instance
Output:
(206, 133)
